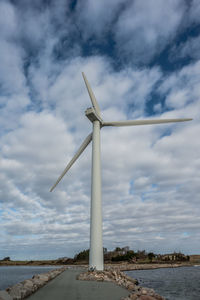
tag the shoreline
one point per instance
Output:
(114, 273)
(29, 286)
(26, 288)
(119, 278)
(129, 266)
(135, 267)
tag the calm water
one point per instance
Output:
(14, 274)
(172, 283)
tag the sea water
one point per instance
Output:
(10, 275)
(172, 283)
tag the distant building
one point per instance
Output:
(117, 252)
(195, 258)
(122, 251)
(63, 258)
(126, 249)
(173, 257)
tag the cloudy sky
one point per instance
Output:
(142, 59)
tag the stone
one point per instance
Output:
(28, 288)
(24, 289)
(15, 291)
(44, 278)
(121, 279)
(133, 297)
(29, 285)
(144, 291)
(131, 287)
(150, 292)
(38, 283)
(5, 296)
(158, 297)
(135, 281)
(146, 297)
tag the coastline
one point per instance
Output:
(113, 272)
(122, 266)
(121, 279)
(149, 266)
(30, 263)
(29, 286)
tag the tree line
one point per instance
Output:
(125, 254)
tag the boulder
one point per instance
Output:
(131, 287)
(26, 288)
(15, 291)
(44, 278)
(133, 297)
(5, 296)
(143, 291)
(121, 279)
(158, 297)
(146, 297)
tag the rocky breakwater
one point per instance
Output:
(130, 266)
(136, 292)
(27, 287)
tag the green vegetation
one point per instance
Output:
(82, 256)
(35, 262)
(126, 257)
(116, 256)
(151, 255)
(6, 258)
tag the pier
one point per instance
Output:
(66, 287)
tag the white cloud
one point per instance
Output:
(194, 11)
(146, 27)
(188, 49)
(8, 21)
(12, 77)
(96, 17)
(149, 173)
(182, 87)
(136, 27)
(36, 153)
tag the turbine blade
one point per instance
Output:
(92, 96)
(143, 122)
(72, 161)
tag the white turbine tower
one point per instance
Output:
(94, 115)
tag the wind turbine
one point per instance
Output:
(94, 115)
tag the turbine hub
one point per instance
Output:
(92, 115)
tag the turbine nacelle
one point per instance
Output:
(92, 115)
